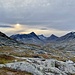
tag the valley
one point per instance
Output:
(31, 54)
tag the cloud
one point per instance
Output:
(25, 29)
(5, 26)
(44, 29)
(47, 14)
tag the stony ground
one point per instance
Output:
(29, 55)
(8, 71)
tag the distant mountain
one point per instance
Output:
(42, 37)
(6, 41)
(31, 38)
(21, 36)
(68, 37)
(52, 38)
(3, 35)
(65, 43)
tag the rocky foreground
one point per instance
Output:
(54, 58)
(39, 66)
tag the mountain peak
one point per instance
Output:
(32, 33)
(72, 33)
(6, 41)
(67, 37)
(30, 38)
(42, 37)
(3, 35)
(52, 37)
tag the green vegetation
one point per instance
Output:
(5, 59)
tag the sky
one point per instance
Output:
(40, 16)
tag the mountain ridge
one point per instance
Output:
(67, 37)
(30, 38)
(52, 38)
(42, 39)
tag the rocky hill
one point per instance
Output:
(31, 38)
(6, 41)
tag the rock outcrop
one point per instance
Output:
(43, 67)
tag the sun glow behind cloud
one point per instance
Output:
(17, 26)
(41, 16)
(25, 29)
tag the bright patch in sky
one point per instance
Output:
(41, 16)
(17, 26)
(25, 29)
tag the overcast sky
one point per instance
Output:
(41, 16)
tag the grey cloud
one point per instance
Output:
(44, 28)
(5, 26)
(57, 14)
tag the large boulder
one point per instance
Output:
(67, 67)
(24, 66)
